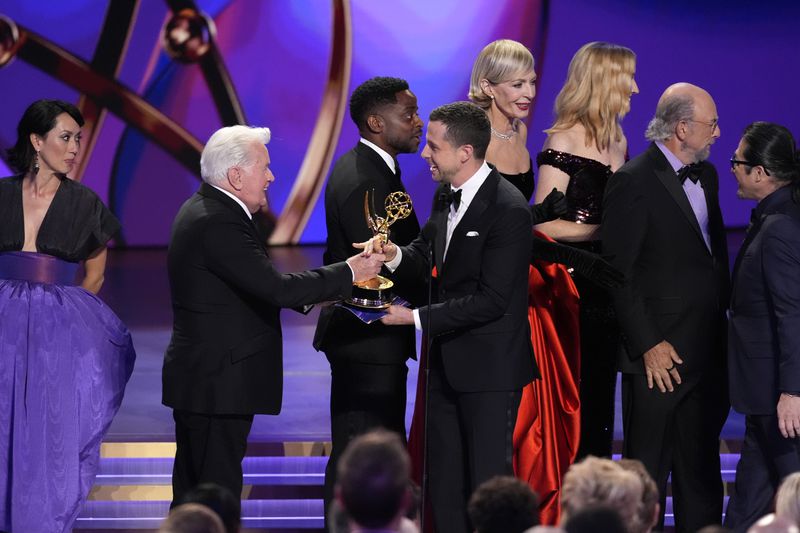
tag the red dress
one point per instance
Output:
(547, 433)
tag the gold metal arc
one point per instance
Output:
(309, 181)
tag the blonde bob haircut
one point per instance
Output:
(596, 93)
(497, 62)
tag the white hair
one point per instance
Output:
(229, 147)
(669, 112)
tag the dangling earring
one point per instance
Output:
(36, 163)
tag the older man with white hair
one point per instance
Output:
(662, 227)
(224, 363)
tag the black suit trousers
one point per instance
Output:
(210, 449)
(766, 459)
(364, 396)
(679, 432)
(470, 440)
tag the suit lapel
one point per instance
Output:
(773, 204)
(474, 212)
(669, 180)
(716, 227)
(440, 219)
(752, 231)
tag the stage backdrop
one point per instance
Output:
(290, 65)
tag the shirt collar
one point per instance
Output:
(674, 162)
(470, 187)
(775, 198)
(235, 199)
(381, 152)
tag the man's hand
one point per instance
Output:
(365, 267)
(789, 415)
(660, 363)
(397, 315)
(376, 246)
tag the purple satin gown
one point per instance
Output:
(65, 358)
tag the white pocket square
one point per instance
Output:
(472, 234)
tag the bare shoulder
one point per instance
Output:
(563, 141)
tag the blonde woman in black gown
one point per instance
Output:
(584, 146)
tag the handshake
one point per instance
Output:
(374, 252)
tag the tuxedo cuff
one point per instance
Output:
(394, 263)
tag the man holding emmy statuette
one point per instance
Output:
(368, 361)
(481, 354)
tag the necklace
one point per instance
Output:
(504, 136)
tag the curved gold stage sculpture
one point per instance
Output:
(189, 36)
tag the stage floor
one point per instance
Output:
(136, 288)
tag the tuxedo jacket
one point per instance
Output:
(225, 355)
(764, 327)
(676, 288)
(340, 334)
(479, 318)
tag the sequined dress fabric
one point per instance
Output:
(588, 179)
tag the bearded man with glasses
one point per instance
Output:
(662, 227)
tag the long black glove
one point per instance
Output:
(552, 207)
(589, 265)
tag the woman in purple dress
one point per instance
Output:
(65, 357)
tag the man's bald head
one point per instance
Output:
(683, 90)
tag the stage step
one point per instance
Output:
(256, 514)
(257, 471)
(281, 492)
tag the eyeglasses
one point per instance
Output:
(714, 124)
(735, 162)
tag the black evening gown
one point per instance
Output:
(522, 181)
(599, 332)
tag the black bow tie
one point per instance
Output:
(449, 196)
(691, 172)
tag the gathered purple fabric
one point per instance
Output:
(65, 358)
(37, 268)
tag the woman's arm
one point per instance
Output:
(95, 267)
(551, 177)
